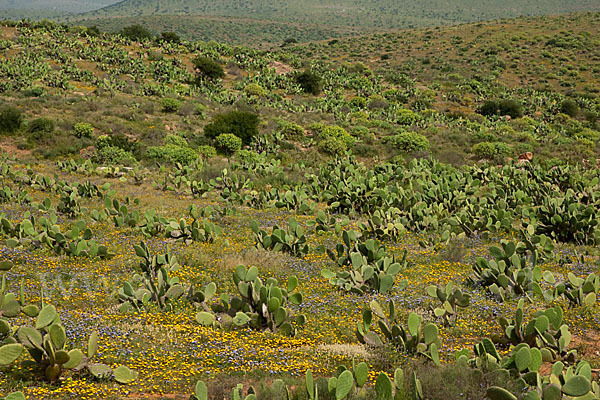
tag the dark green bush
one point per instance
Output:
(172, 153)
(569, 107)
(136, 32)
(228, 143)
(207, 68)
(493, 151)
(112, 155)
(10, 119)
(170, 105)
(511, 108)
(242, 124)
(309, 81)
(508, 107)
(170, 37)
(409, 142)
(40, 125)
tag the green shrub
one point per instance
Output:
(136, 32)
(253, 89)
(200, 110)
(309, 81)
(206, 151)
(494, 151)
(290, 130)
(410, 142)
(207, 68)
(172, 153)
(10, 119)
(42, 125)
(176, 140)
(228, 143)
(240, 123)
(407, 117)
(247, 156)
(170, 37)
(170, 105)
(338, 133)
(331, 146)
(569, 107)
(358, 102)
(83, 130)
(503, 107)
(113, 155)
(511, 108)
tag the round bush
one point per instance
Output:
(206, 151)
(569, 107)
(309, 81)
(338, 133)
(331, 146)
(176, 140)
(113, 155)
(44, 125)
(240, 123)
(83, 130)
(228, 143)
(172, 153)
(410, 142)
(495, 151)
(252, 89)
(170, 105)
(136, 32)
(290, 130)
(407, 117)
(208, 68)
(10, 119)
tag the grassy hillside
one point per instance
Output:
(232, 30)
(172, 212)
(331, 17)
(37, 9)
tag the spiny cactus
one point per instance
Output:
(512, 272)
(371, 268)
(154, 284)
(545, 331)
(260, 306)
(292, 240)
(416, 338)
(451, 298)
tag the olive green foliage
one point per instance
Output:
(169, 37)
(112, 155)
(207, 68)
(136, 32)
(334, 140)
(228, 143)
(173, 153)
(170, 105)
(242, 124)
(410, 142)
(508, 107)
(206, 151)
(83, 130)
(309, 81)
(11, 119)
(254, 89)
(493, 151)
(290, 130)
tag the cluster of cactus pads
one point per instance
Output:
(416, 338)
(523, 363)
(291, 240)
(345, 385)
(370, 266)
(259, 305)
(46, 340)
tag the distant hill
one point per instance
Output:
(365, 13)
(265, 22)
(75, 6)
